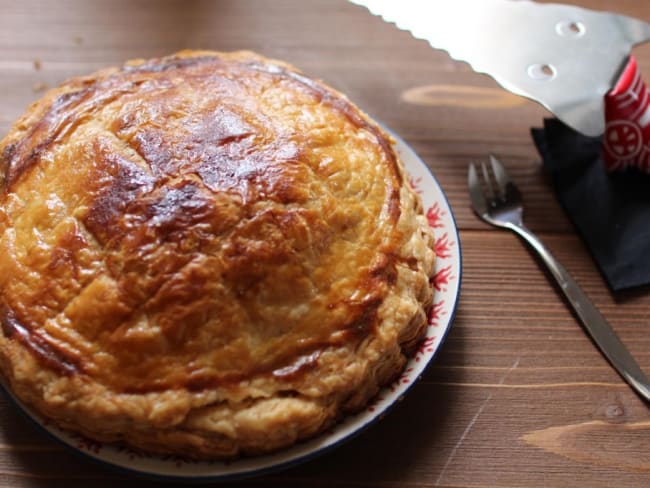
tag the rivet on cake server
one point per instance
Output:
(575, 62)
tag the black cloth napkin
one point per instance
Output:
(610, 210)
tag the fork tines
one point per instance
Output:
(494, 182)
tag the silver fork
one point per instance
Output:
(498, 201)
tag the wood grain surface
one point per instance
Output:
(518, 396)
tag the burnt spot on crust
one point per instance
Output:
(27, 152)
(385, 270)
(41, 348)
(151, 145)
(273, 173)
(393, 204)
(220, 127)
(302, 364)
(67, 100)
(119, 182)
(64, 254)
(5, 159)
(178, 208)
(366, 317)
(184, 212)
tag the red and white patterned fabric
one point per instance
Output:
(626, 142)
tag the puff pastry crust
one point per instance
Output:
(208, 254)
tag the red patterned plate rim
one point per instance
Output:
(447, 281)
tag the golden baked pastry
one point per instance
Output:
(208, 254)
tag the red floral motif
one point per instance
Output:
(373, 406)
(443, 246)
(181, 461)
(626, 142)
(442, 278)
(435, 313)
(133, 454)
(435, 215)
(415, 184)
(405, 377)
(127, 451)
(178, 461)
(425, 347)
(86, 444)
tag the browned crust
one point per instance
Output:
(204, 234)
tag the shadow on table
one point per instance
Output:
(389, 449)
(31, 457)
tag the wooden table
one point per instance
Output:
(518, 396)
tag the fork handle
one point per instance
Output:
(594, 323)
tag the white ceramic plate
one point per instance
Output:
(447, 287)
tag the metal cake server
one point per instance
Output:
(565, 57)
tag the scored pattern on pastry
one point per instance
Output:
(208, 253)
